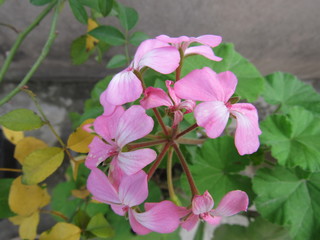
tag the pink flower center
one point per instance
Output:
(228, 105)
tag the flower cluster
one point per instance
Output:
(116, 145)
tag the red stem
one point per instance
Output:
(156, 112)
(146, 144)
(189, 129)
(158, 160)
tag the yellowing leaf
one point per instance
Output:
(41, 163)
(24, 199)
(28, 227)
(83, 193)
(91, 41)
(80, 139)
(27, 146)
(62, 231)
(17, 220)
(13, 136)
(75, 165)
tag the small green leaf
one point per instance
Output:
(294, 139)
(137, 37)
(21, 120)
(100, 227)
(81, 219)
(288, 91)
(108, 34)
(105, 7)
(40, 164)
(128, 16)
(5, 211)
(78, 11)
(2, 2)
(38, 2)
(290, 198)
(117, 61)
(78, 53)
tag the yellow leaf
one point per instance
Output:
(83, 193)
(62, 231)
(27, 146)
(75, 165)
(91, 41)
(16, 220)
(13, 136)
(24, 199)
(28, 227)
(80, 139)
(41, 163)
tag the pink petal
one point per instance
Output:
(247, 131)
(228, 82)
(106, 126)
(119, 209)
(174, 40)
(155, 97)
(172, 94)
(190, 222)
(124, 87)
(199, 85)
(178, 117)
(133, 189)
(108, 107)
(188, 105)
(115, 174)
(135, 225)
(212, 220)
(134, 124)
(99, 151)
(213, 116)
(164, 60)
(102, 190)
(205, 51)
(145, 47)
(202, 203)
(210, 40)
(163, 217)
(232, 203)
(133, 161)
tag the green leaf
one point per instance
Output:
(79, 54)
(21, 120)
(259, 229)
(250, 82)
(290, 198)
(137, 37)
(78, 11)
(105, 7)
(100, 227)
(117, 61)
(288, 91)
(294, 139)
(5, 211)
(81, 219)
(100, 87)
(41, 163)
(108, 34)
(215, 169)
(2, 2)
(128, 16)
(39, 2)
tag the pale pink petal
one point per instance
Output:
(135, 225)
(213, 116)
(181, 211)
(228, 82)
(134, 124)
(188, 105)
(106, 126)
(163, 217)
(119, 209)
(124, 87)
(190, 222)
(247, 131)
(133, 189)
(115, 174)
(205, 51)
(199, 85)
(164, 60)
(133, 161)
(178, 117)
(108, 108)
(174, 40)
(172, 94)
(211, 219)
(202, 203)
(102, 190)
(155, 97)
(232, 203)
(99, 151)
(144, 48)
(210, 40)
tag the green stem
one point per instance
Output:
(169, 175)
(21, 38)
(126, 49)
(158, 160)
(44, 53)
(186, 169)
(189, 129)
(146, 144)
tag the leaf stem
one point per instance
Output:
(52, 212)
(10, 170)
(189, 129)
(10, 26)
(158, 160)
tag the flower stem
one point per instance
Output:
(10, 170)
(21, 38)
(146, 144)
(189, 129)
(172, 195)
(158, 116)
(158, 160)
(44, 53)
(178, 70)
(186, 169)
(190, 141)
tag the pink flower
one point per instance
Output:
(155, 97)
(183, 42)
(117, 130)
(125, 86)
(232, 203)
(163, 217)
(213, 114)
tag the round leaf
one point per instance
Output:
(62, 231)
(117, 61)
(29, 225)
(41, 163)
(13, 136)
(78, 11)
(80, 139)
(137, 37)
(100, 227)
(108, 34)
